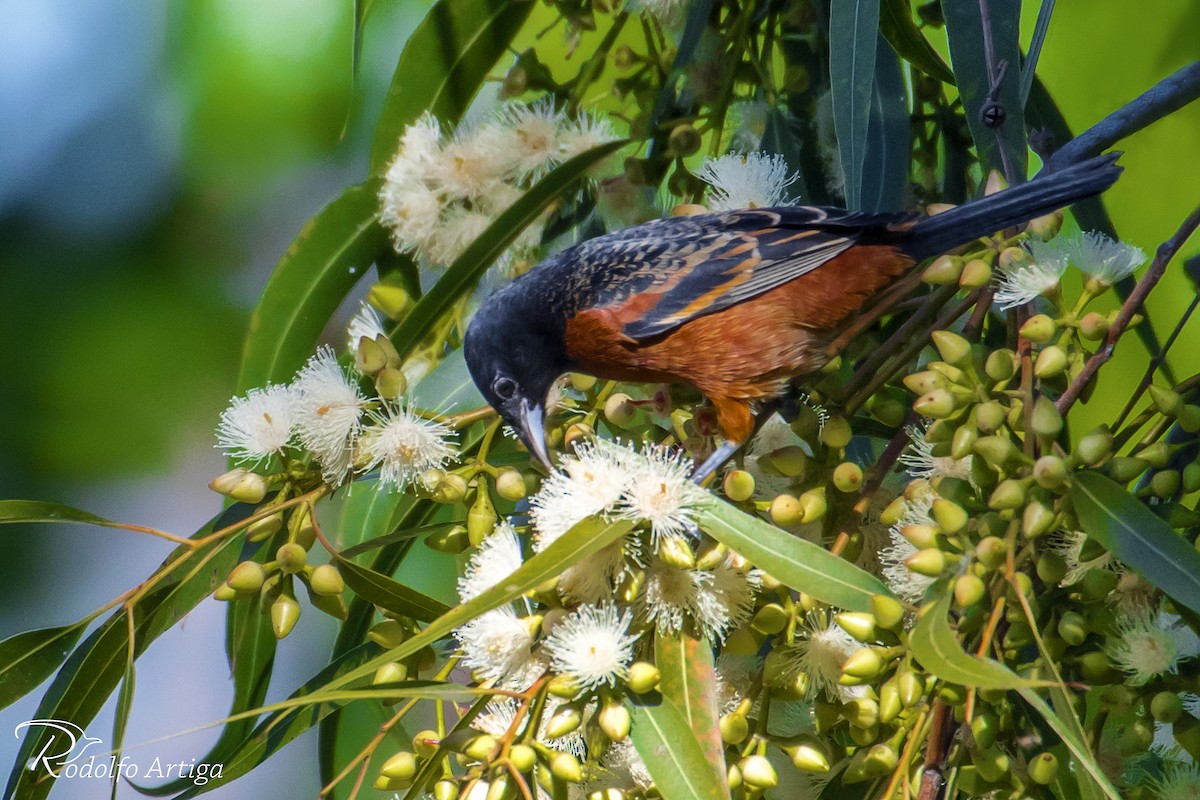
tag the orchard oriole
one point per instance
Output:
(738, 304)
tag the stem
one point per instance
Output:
(936, 749)
(1157, 361)
(1158, 267)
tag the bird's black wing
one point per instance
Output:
(733, 257)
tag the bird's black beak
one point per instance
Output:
(533, 431)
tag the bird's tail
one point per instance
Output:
(1045, 193)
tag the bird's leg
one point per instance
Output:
(739, 424)
(715, 461)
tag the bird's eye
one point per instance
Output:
(504, 388)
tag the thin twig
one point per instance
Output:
(1157, 361)
(1166, 252)
(883, 465)
(936, 749)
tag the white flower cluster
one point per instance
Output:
(907, 584)
(440, 193)
(751, 180)
(1097, 256)
(323, 411)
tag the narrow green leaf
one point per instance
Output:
(800, 564)
(689, 682)
(95, 668)
(896, 23)
(1077, 747)
(936, 646)
(40, 511)
(586, 538)
(1137, 538)
(1029, 69)
(388, 594)
(449, 385)
(782, 135)
(330, 254)
(121, 719)
(964, 26)
(404, 534)
(853, 31)
(443, 65)
(367, 512)
(889, 137)
(461, 276)
(667, 743)
(29, 657)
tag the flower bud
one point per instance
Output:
(1166, 707)
(643, 677)
(789, 461)
(1013, 257)
(953, 348)
(863, 663)
(445, 789)
(388, 634)
(836, 433)
(1051, 568)
(264, 528)
(1093, 326)
(859, 625)
(786, 510)
(1156, 455)
(1045, 227)
(995, 450)
(920, 383)
(1095, 446)
(284, 613)
(684, 140)
(501, 788)
(1001, 364)
(510, 485)
(894, 511)
(241, 485)
(1037, 519)
(566, 767)
(770, 619)
(847, 477)
(991, 551)
(930, 562)
(615, 720)
(393, 301)
(976, 274)
(1189, 418)
(482, 518)
(390, 383)
(920, 535)
(888, 611)
(619, 411)
(480, 748)
(1050, 472)
(675, 551)
(449, 489)
(1046, 419)
(565, 720)
(813, 504)
(968, 590)
(1043, 768)
(937, 404)
(247, 576)
(944, 271)
(757, 772)
(739, 485)
(861, 712)
(224, 593)
(369, 356)
(910, 687)
(881, 760)
(734, 728)
(1008, 494)
(292, 558)
(1165, 483)
(808, 754)
(950, 516)
(1051, 361)
(1191, 478)
(1039, 328)
(400, 767)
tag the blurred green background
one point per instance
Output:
(155, 161)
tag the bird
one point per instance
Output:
(739, 304)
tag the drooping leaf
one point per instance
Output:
(1137, 538)
(934, 643)
(689, 682)
(121, 718)
(889, 137)
(964, 26)
(853, 34)
(30, 657)
(460, 276)
(800, 564)
(389, 594)
(96, 667)
(896, 23)
(667, 743)
(443, 65)
(333, 250)
(12, 511)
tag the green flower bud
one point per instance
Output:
(920, 383)
(326, 580)
(264, 528)
(565, 720)
(388, 634)
(1013, 257)
(1093, 326)
(393, 301)
(292, 558)
(770, 619)
(224, 593)
(976, 274)
(452, 540)
(944, 271)
(968, 590)
(953, 348)
(247, 576)
(962, 442)
(910, 688)
(643, 677)
(1046, 419)
(1095, 446)
(920, 536)
(1156, 455)
(1045, 227)
(991, 551)
(757, 772)
(400, 767)
(789, 461)
(1094, 668)
(683, 141)
(445, 790)
(1036, 520)
(863, 663)
(889, 702)
(1039, 328)
(369, 357)
(482, 518)
(241, 485)
(734, 728)
(1043, 768)
(847, 477)
(997, 451)
(808, 754)
(450, 489)
(951, 517)
(888, 611)
(1051, 361)
(1124, 469)
(1008, 494)
(1165, 483)
(1050, 472)
(1072, 628)
(881, 760)
(284, 613)
(1001, 364)
(930, 562)
(619, 410)
(1051, 568)
(813, 504)
(566, 767)
(836, 433)
(480, 748)
(501, 788)
(989, 417)
(859, 625)
(510, 485)
(739, 485)
(937, 404)
(390, 383)
(614, 720)
(1166, 707)
(1166, 401)
(894, 511)
(676, 551)
(1191, 478)
(951, 373)
(786, 510)
(889, 412)
(1097, 584)
(1189, 418)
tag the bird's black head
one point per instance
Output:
(515, 351)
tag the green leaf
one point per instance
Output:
(449, 385)
(896, 23)
(889, 137)
(936, 646)
(853, 32)
(29, 657)
(1029, 69)
(689, 682)
(1077, 747)
(94, 670)
(388, 594)
(667, 743)
(330, 254)
(443, 65)
(121, 718)
(800, 564)
(461, 276)
(585, 538)
(1137, 538)
(39, 511)
(964, 26)
(367, 512)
